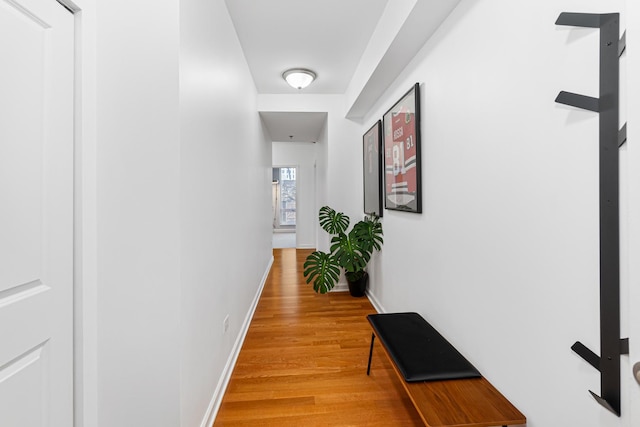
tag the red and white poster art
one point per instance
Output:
(402, 154)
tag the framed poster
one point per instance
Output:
(372, 169)
(402, 174)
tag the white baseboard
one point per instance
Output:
(218, 394)
(340, 287)
(375, 303)
(306, 247)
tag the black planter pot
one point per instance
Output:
(357, 288)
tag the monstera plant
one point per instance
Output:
(349, 251)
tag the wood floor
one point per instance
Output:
(304, 361)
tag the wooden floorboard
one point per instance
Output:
(304, 361)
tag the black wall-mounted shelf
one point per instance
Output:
(607, 105)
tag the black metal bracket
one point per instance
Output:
(607, 105)
(579, 101)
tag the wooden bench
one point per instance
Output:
(444, 387)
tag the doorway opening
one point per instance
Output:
(284, 190)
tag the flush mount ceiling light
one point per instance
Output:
(299, 78)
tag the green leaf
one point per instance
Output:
(348, 253)
(321, 269)
(368, 233)
(333, 222)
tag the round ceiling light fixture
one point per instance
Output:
(299, 78)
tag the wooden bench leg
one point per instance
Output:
(373, 336)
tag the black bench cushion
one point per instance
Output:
(420, 352)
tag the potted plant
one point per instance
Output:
(350, 251)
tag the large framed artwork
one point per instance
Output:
(402, 175)
(372, 169)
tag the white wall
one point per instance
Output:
(504, 259)
(161, 261)
(303, 156)
(321, 180)
(225, 199)
(630, 158)
(138, 216)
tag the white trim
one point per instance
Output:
(340, 287)
(85, 212)
(290, 230)
(305, 247)
(374, 302)
(218, 394)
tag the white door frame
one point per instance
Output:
(85, 216)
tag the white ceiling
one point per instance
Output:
(357, 48)
(326, 36)
(294, 126)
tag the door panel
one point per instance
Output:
(22, 377)
(36, 214)
(20, 186)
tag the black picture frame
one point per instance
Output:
(372, 169)
(402, 154)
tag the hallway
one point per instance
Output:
(137, 146)
(304, 361)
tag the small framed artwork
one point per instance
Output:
(402, 175)
(372, 169)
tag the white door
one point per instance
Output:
(36, 214)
